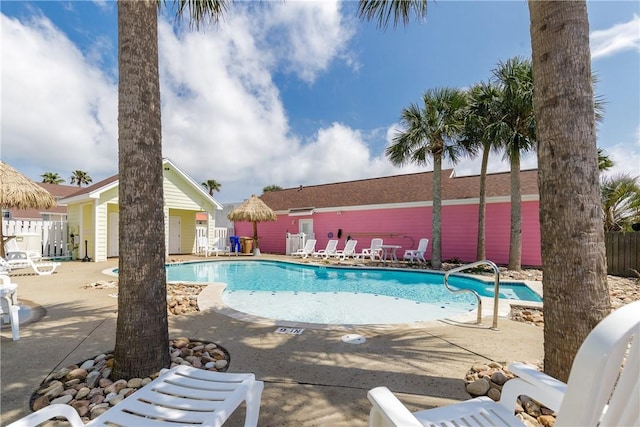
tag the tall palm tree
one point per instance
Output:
(80, 177)
(142, 325)
(211, 185)
(52, 178)
(431, 131)
(620, 202)
(576, 295)
(482, 111)
(572, 233)
(515, 133)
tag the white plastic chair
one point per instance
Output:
(308, 249)
(417, 254)
(203, 246)
(375, 251)
(603, 387)
(9, 308)
(180, 396)
(332, 246)
(13, 251)
(41, 268)
(348, 251)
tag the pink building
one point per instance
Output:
(398, 209)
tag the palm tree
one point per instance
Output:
(481, 112)
(431, 131)
(211, 185)
(572, 231)
(604, 161)
(576, 297)
(272, 187)
(620, 202)
(80, 177)
(52, 178)
(142, 324)
(515, 133)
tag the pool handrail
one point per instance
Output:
(496, 288)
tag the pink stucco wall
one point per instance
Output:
(405, 227)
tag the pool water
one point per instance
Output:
(319, 294)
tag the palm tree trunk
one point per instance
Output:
(142, 326)
(436, 220)
(515, 240)
(576, 297)
(481, 250)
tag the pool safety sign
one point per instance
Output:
(292, 331)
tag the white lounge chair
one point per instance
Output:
(12, 250)
(373, 252)
(309, 247)
(609, 396)
(180, 396)
(42, 268)
(348, 251)
(332, 247)
(417, 254)
(9, 305)
(203, 246)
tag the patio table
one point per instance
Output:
(389, 250)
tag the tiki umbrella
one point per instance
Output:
(18, 191)
(254, 210)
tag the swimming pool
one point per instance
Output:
(335, 295)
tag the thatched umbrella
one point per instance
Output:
(254, 210)
(18, 191)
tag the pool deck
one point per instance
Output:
(311, 379)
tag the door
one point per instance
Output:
(114, 227)
(174, 235)
(306, 226)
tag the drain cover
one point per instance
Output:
(353, 339)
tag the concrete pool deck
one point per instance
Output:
(311, 379)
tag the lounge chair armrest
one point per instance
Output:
(535, 384)
(388, 410)
(48, 413)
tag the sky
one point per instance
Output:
(281, 93)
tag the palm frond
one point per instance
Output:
(386, 10)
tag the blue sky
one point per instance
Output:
(288, 93)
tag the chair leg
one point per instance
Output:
(15, 322)
(253, 404)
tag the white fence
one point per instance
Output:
(48, 237)
(220, 233)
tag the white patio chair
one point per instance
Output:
(180, 396)
(13, 251)
(9, 305)
(332, 246)
(603, 387)
(41, 268)
(373, 252)
(308, 249)
(348, 251)
(203, 247)
(417, 254)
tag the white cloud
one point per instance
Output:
(625, 156)
(618, 38)
(308, 35)
(59, 112)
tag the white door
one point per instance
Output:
(174, 235)
(306, 226)
(114, 226)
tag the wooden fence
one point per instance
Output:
(623, 253)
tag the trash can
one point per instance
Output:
(246, 243)
(235, 244)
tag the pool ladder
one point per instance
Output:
(496, 288)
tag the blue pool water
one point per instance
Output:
(319, 294)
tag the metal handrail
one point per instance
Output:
(496, 288)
